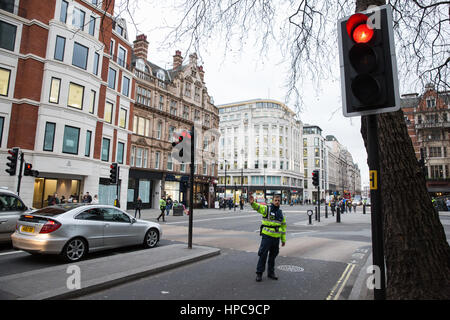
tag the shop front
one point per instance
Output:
(143, 184)
(176, 187)
(65, 189)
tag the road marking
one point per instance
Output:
(341, 282)
(12, 252)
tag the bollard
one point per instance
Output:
(364, 209)
(326, 211)
(315, 209)
(338, 215)
(309, 213)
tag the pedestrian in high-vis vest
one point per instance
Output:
(273, 228)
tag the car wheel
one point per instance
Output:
(74, 250)
(151, 238)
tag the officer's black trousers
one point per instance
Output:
(269, 246)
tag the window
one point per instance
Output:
(120, 152)
(63, 13)
(122, 118)
(159, 130)
(49, 136)
(78, 18)
(96, 61)
(5, 75)
(7, 36)
(11, 203)
(121, 59)
(59, 48)
(105, 149)
(92, 26)
(114, 215)
(112, 78)
(76, 95)
(126, 86)
(119, 29)
(437, 172)
(70, 142)
(80, 56)
(2, 124)
(431, 102)
(91, 215)
(87, 148)
(139, 157)
(54, 90)
(92, 104)
(169, 162)
(157, 158)
(108, 112)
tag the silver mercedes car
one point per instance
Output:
(73, 230)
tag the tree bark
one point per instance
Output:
(416, 251)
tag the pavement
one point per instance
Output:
(76, 279)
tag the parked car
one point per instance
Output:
(11, 207)
(74, 229)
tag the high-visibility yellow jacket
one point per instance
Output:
(162, 204)
(273, 223)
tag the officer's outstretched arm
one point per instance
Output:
(256, 206)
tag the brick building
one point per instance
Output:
(427, 117)
(66, 96)
(167, 101)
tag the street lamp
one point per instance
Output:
(225, 190)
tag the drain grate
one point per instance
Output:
(290, 268)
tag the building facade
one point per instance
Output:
(260, 151)
(315, 157)
(66, 97)
(167, 102)
(343, 174)
(427, 118)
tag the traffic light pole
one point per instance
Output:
(377, 214)
(318, 202)
(117, 187)
(191, 191)
(20, 173)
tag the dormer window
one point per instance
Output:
(431, 102)
(160, 75)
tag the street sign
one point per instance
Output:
(373, 179)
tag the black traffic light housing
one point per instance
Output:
(315, 178)
(113, 173)
(12, 164)
(28, 170)
(184, 151)
(369, 77)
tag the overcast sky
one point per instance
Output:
(242, 75)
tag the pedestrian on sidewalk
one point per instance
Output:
(162, 207)
(273, 228)
(138, 207)
(169, 205)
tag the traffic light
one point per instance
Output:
(113, 173)
(369, 82)
(182, 147)
(315, 178)
(12, 164)
(28, 170)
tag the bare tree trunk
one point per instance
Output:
(416, 250)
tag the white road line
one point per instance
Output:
(12, 252)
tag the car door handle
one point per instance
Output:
(3, 221)
(106, 225)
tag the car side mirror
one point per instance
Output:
(133, 220)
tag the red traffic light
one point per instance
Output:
(28, 166)
(357, 28)
(362, 33)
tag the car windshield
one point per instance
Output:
(56, 210)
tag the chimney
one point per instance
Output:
(201, 73)
(140, 46)
(177, 59)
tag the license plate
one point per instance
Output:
(27, 229)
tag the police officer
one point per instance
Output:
(273, 229)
